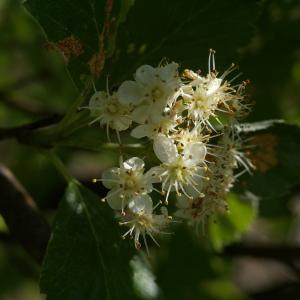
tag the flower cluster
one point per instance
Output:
(191, 120)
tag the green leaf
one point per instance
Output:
(86, 258)
(183, 32)
(74, 28)
(224, 289)
(224, 229)
(121, 35)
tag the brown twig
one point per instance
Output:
(281, 252)
(288, 290)
(24, 221)
(287, 254)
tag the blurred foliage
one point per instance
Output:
(34, 83)
(224, 230)
(186, 269)
(271, 62)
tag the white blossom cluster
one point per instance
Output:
(191, 120)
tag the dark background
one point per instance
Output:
(34, 84)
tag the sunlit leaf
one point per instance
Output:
(228, 227)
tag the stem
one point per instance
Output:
(22, 132)
(123, 146)
(60, 166)
(75, 106)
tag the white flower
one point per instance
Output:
(151, 92)
(195, 163)
(185, 138)
(126, 182)
(142, 221)
(178, 169)
(109, 111)
(202, 97)
(164, 126)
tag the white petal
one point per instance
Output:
(134, 163)
(168, 72)
(156, 111)
(97, 99)
(130, 93)
(165, 149)
(97, 103)
(141, 203)
(141, 131)
(213, 85)
(146, 75)
(154, 174)
(199, 80)
(122, 123)
(109, 175)
(194, 153)
(141, 114)
(115, 201)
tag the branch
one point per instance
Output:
(20, 132)
(284, 253)
(288, 290)
(24, 221)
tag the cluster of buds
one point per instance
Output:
(191, 121)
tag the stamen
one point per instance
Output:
(157, 204)
(211, 59)
(184, 192)
(146, 244)
(127, 232)
(156, 190)
(94, 180)
(114, 193)
(167, 196)
(243, 163)
(94, 87)
(176, 188)
(107, 133)
(165, 181)
(235, 77)
(127, 222)
(153, 239)
(97, 119)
